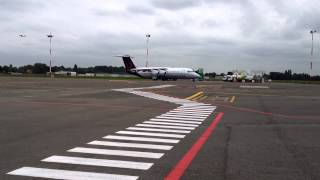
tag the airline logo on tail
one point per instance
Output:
(127, 62)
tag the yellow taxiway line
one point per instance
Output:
(232, 99)
(203, 97)
(196, 98)
(195, 95)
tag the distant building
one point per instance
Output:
(65, 73)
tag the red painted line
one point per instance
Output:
(184, 163)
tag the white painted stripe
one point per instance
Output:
(151, 134)
(184, 114)
(130, 138)
(175, 124)
(180, 118)
(192, 111)
(158, 130)
(117, 152)
(99, 162)
(195, 109)
(193, 115)
(187, 114)
(132, 145)
(168, 127)
(176, 121)
(68, 175)
(197, 105)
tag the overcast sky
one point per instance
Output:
(218, 35)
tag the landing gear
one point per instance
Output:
(194, 83)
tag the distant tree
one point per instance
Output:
(212, 74)
(276, 75)
(10, 68)
(315, 78)
(39, 68)
(288, 74)
(81, 70)
(28, 68)
(0, 69)
(75, 68)
(5, 69)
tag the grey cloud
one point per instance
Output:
(141, 10)
(16, 5)
(176, 4)
(92, 35)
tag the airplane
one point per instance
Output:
(23, 35)
(155, 73)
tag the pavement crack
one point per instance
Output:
(300, 158)
(270, 119)
(226, 152)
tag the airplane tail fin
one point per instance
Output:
(200, 72)
(128, 62)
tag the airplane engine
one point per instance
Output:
(159, 74)
(155, 74)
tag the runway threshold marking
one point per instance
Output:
(233, 98)
(194, 95)
(175, 125)
(184, 163)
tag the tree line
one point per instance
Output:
(288, 75)
(40, 68)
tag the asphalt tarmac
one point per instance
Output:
(267, 131)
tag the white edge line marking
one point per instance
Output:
(68, 175)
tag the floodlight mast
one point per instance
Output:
(50, 36)
(147, 36)
(311, 53)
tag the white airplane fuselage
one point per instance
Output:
(165, 73)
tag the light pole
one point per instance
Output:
(147, 36)
(311, 32)
(50, 36)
